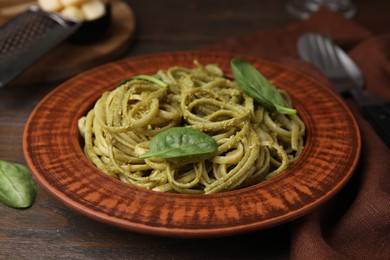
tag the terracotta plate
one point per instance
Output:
(54, 155)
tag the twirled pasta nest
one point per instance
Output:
(253, 144)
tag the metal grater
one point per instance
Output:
(28, 36)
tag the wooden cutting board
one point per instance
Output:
(68, 59)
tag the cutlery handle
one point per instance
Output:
(379, 117)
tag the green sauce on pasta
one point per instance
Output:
(253, 143)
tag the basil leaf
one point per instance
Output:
(155, 79)
(255, 85)
(17, 188)
(178, 142)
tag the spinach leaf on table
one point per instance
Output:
(17, 188)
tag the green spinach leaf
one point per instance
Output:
(178, 142)
(255, 85)
(155, 79)
(17, 188)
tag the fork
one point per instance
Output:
(346, 78)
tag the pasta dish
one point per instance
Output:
(253, 144)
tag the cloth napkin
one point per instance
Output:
(355, 223)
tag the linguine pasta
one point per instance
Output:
(253, 143)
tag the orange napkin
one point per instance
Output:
(355, 224)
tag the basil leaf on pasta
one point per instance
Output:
(178, 142)
(155, 79)
(255, 85)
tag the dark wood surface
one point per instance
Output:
(50, 230)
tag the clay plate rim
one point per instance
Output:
(52, 152)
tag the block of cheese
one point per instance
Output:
(50, 5)
(93, 10)
(73, 2)
(83, 10)
(72, 12)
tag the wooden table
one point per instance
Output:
(50, 230)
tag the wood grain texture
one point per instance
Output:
(53, 153)
(69, 58)
(49, 230)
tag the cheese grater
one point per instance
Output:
(28, 36)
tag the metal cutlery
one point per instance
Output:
(346, 77)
